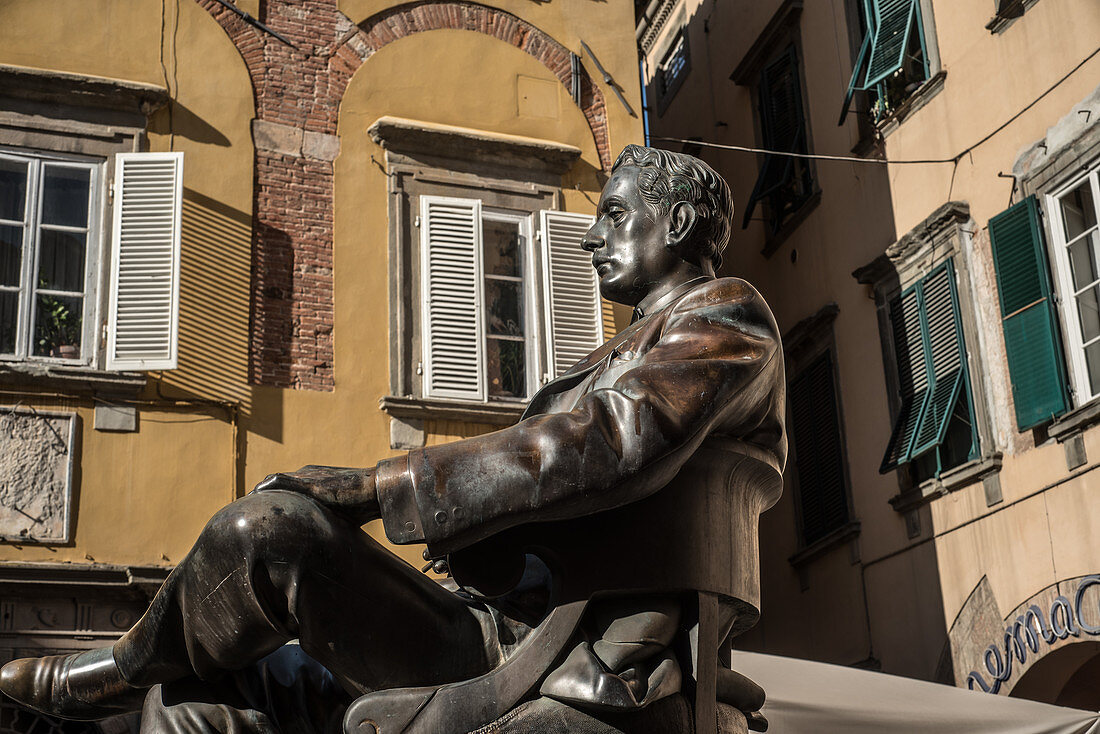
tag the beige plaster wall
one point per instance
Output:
(1039, 534)
(139, 498)
(812, 267)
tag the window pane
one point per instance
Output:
(1078, 210)
(57, 326)
(11, 254)
(1092, 359)
(61, 260)
(506, 362)
(504, 299)
(65, 196)
(1088, 308)
(502, 244)
(1082, 261)
(9, 316)
(13, 189)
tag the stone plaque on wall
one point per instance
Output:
(36, 469)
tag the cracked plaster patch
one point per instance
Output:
(35, 476)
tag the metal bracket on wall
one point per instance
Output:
(608, 80)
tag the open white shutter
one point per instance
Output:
(450, 267)
(573, 313)
(145, 262)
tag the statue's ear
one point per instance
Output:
(681, 223)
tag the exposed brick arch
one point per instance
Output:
(430, 15)
(297, 93)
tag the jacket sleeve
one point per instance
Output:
(713, 364)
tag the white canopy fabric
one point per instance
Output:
(815, 698)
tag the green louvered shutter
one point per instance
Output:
(914, 378)
(892, 24)
(857, 70)
(782, 126)
(815, 431)
(946, 352)
(931, 362)
(1031, 334)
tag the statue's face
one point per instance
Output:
(629, 241)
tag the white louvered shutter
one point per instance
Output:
(450, 267)
(145, 261)
(573, 312)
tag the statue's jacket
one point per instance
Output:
(643, 469)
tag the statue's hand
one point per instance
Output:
(348, 492)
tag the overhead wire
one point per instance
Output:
(954, 160)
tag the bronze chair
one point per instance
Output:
(700, 539)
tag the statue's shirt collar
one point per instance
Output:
(641, 311)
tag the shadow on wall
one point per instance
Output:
(214, 332)
(177, 119)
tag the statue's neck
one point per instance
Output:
(682, 274)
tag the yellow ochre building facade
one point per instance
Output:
(223, 232)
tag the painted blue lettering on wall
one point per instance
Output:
(1031, 628)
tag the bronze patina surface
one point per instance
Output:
(601, 551)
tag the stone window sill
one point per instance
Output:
(954, 479)
(70, 378)
(919, 98)
(821, 546)
(495, 413)
(1008, 14)
(1075, 421)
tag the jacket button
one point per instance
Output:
(441, 517)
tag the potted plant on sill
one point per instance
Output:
(60, 333)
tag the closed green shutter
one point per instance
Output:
(931, 362)
(782, 126)
(1032, 340)
(818, 450)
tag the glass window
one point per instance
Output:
(46, 209)
(674, 67)
(1077, 245)
(501, 310)
(504, 243)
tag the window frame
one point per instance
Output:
(535, 333)
(1073, 343)
(94, 257)
(805, 343)
(777, 229)
(913, 453)
(946, 233)
(860, 32)
(665, 91)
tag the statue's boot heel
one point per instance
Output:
(83, 686)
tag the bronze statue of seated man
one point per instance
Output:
(582, 542)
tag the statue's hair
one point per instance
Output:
(667, 178)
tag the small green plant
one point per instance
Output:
(59, 328)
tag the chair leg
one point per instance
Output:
(706, 665)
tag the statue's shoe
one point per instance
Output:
(83, 686)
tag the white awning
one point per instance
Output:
(816, 698)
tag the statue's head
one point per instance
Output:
(658, 210)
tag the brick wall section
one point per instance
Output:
(405, 20)
(297, 96)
